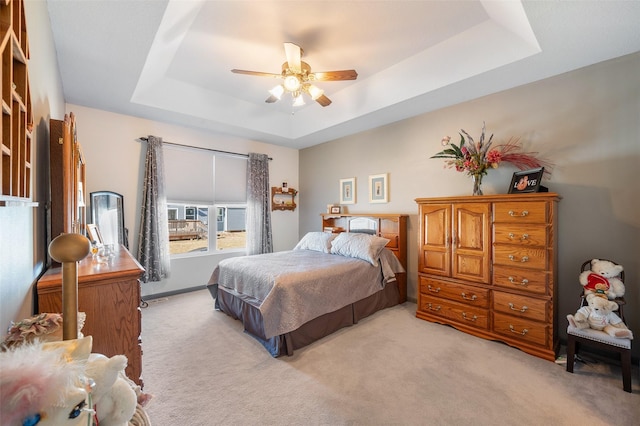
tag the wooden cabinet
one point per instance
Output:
(487, 267)
(67, 177)
(455, 240)
(109, 293)
(15, 95)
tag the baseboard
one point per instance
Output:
(173, 293)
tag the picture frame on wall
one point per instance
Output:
(379, 188)
(348, 191)
(527, 181)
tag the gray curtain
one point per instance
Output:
(258, 214)
(153, 240)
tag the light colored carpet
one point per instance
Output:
(390, 369)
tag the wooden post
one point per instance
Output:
(68, 249)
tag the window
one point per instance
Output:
(201, 185)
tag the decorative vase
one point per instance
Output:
(477, 184)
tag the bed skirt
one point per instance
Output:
(309, 332)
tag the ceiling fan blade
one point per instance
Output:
(335, 75)
(293, 53)
(258, 73)
(271, 99)
(323, 100)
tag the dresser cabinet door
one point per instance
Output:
(435, 244)
(472, 241)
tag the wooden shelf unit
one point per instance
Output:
(17, 116)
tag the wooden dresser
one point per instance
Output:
(110, 296)
(487, 266)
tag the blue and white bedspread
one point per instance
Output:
(291, 288)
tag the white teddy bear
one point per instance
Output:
(603, 279)
(599, 315)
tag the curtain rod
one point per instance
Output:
(204, 149)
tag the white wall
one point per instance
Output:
(22, 229)
(587, 122)
(115, 162)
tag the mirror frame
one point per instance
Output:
(122, 234)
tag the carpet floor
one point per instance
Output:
(389, 369)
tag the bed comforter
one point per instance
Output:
(290, 288)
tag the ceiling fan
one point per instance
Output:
(297, 78)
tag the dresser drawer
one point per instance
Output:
(521, 235)
(521, 257)
(520, 329)
(520, 212)
(467, 315)
(520, 306)
(467, 294)
(528, 280)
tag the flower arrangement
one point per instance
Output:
(476, 158)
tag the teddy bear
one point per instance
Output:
(603, 279)
(599, 315)
(113, 397)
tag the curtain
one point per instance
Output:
(258, 214)
(153, 240)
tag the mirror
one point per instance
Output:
(107, 213)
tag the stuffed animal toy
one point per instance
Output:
(603, 279)
(113, 398)
(599, 315)
(44, 381)
(44, 384)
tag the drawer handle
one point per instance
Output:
(523, 259)
(523, 283)
(474, 318)
(523, 332)
(513, 214)
(524, 308)
(431, 308)
(474, 297)
(513, 237)
(433, 290)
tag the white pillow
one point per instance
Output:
(316, 241)
(360, 246)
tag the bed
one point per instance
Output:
(330, 280)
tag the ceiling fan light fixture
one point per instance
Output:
(277, 91)
(315, 92)
(292, 83)
(298, 100)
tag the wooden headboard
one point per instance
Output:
(390, 226)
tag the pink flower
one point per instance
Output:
(494, 156)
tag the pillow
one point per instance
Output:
(360, 246)
(316, 241)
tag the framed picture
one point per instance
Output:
(347, 191)
(335, 209)
(527, 181)
(379, 188)
(93, 234)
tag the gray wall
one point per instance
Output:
(586, 121)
